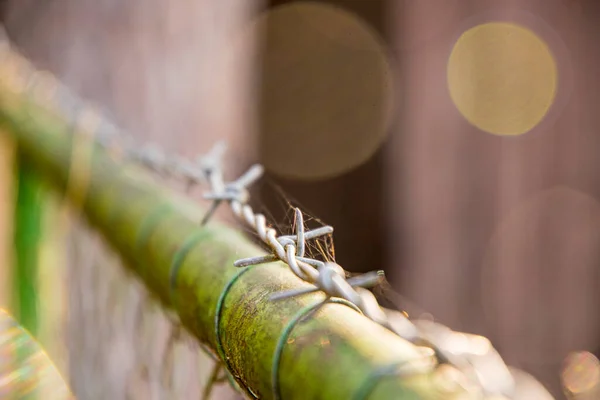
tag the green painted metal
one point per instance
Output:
(27, 239)
(27, 235)
(334, 354)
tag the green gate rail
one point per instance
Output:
(335, 354)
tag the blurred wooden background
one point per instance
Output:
(347, 104)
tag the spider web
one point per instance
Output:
(278, 206)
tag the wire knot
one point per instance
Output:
(236, 191)
(328, 272)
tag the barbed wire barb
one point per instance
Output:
(237, 190)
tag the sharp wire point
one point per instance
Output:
(245, 262)
(292, 293)
(299, 233)
(215, 204)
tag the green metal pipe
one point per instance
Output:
(26, 243)
(335, 354)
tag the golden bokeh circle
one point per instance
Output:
(502, 78)
(581, 372)
(326, 91)
(527, 268)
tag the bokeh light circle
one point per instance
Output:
(326, 91)
(538, 274)
(580, 373)
(502, 78)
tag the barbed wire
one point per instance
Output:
(473, 355)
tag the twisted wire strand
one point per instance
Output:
(473, 355)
